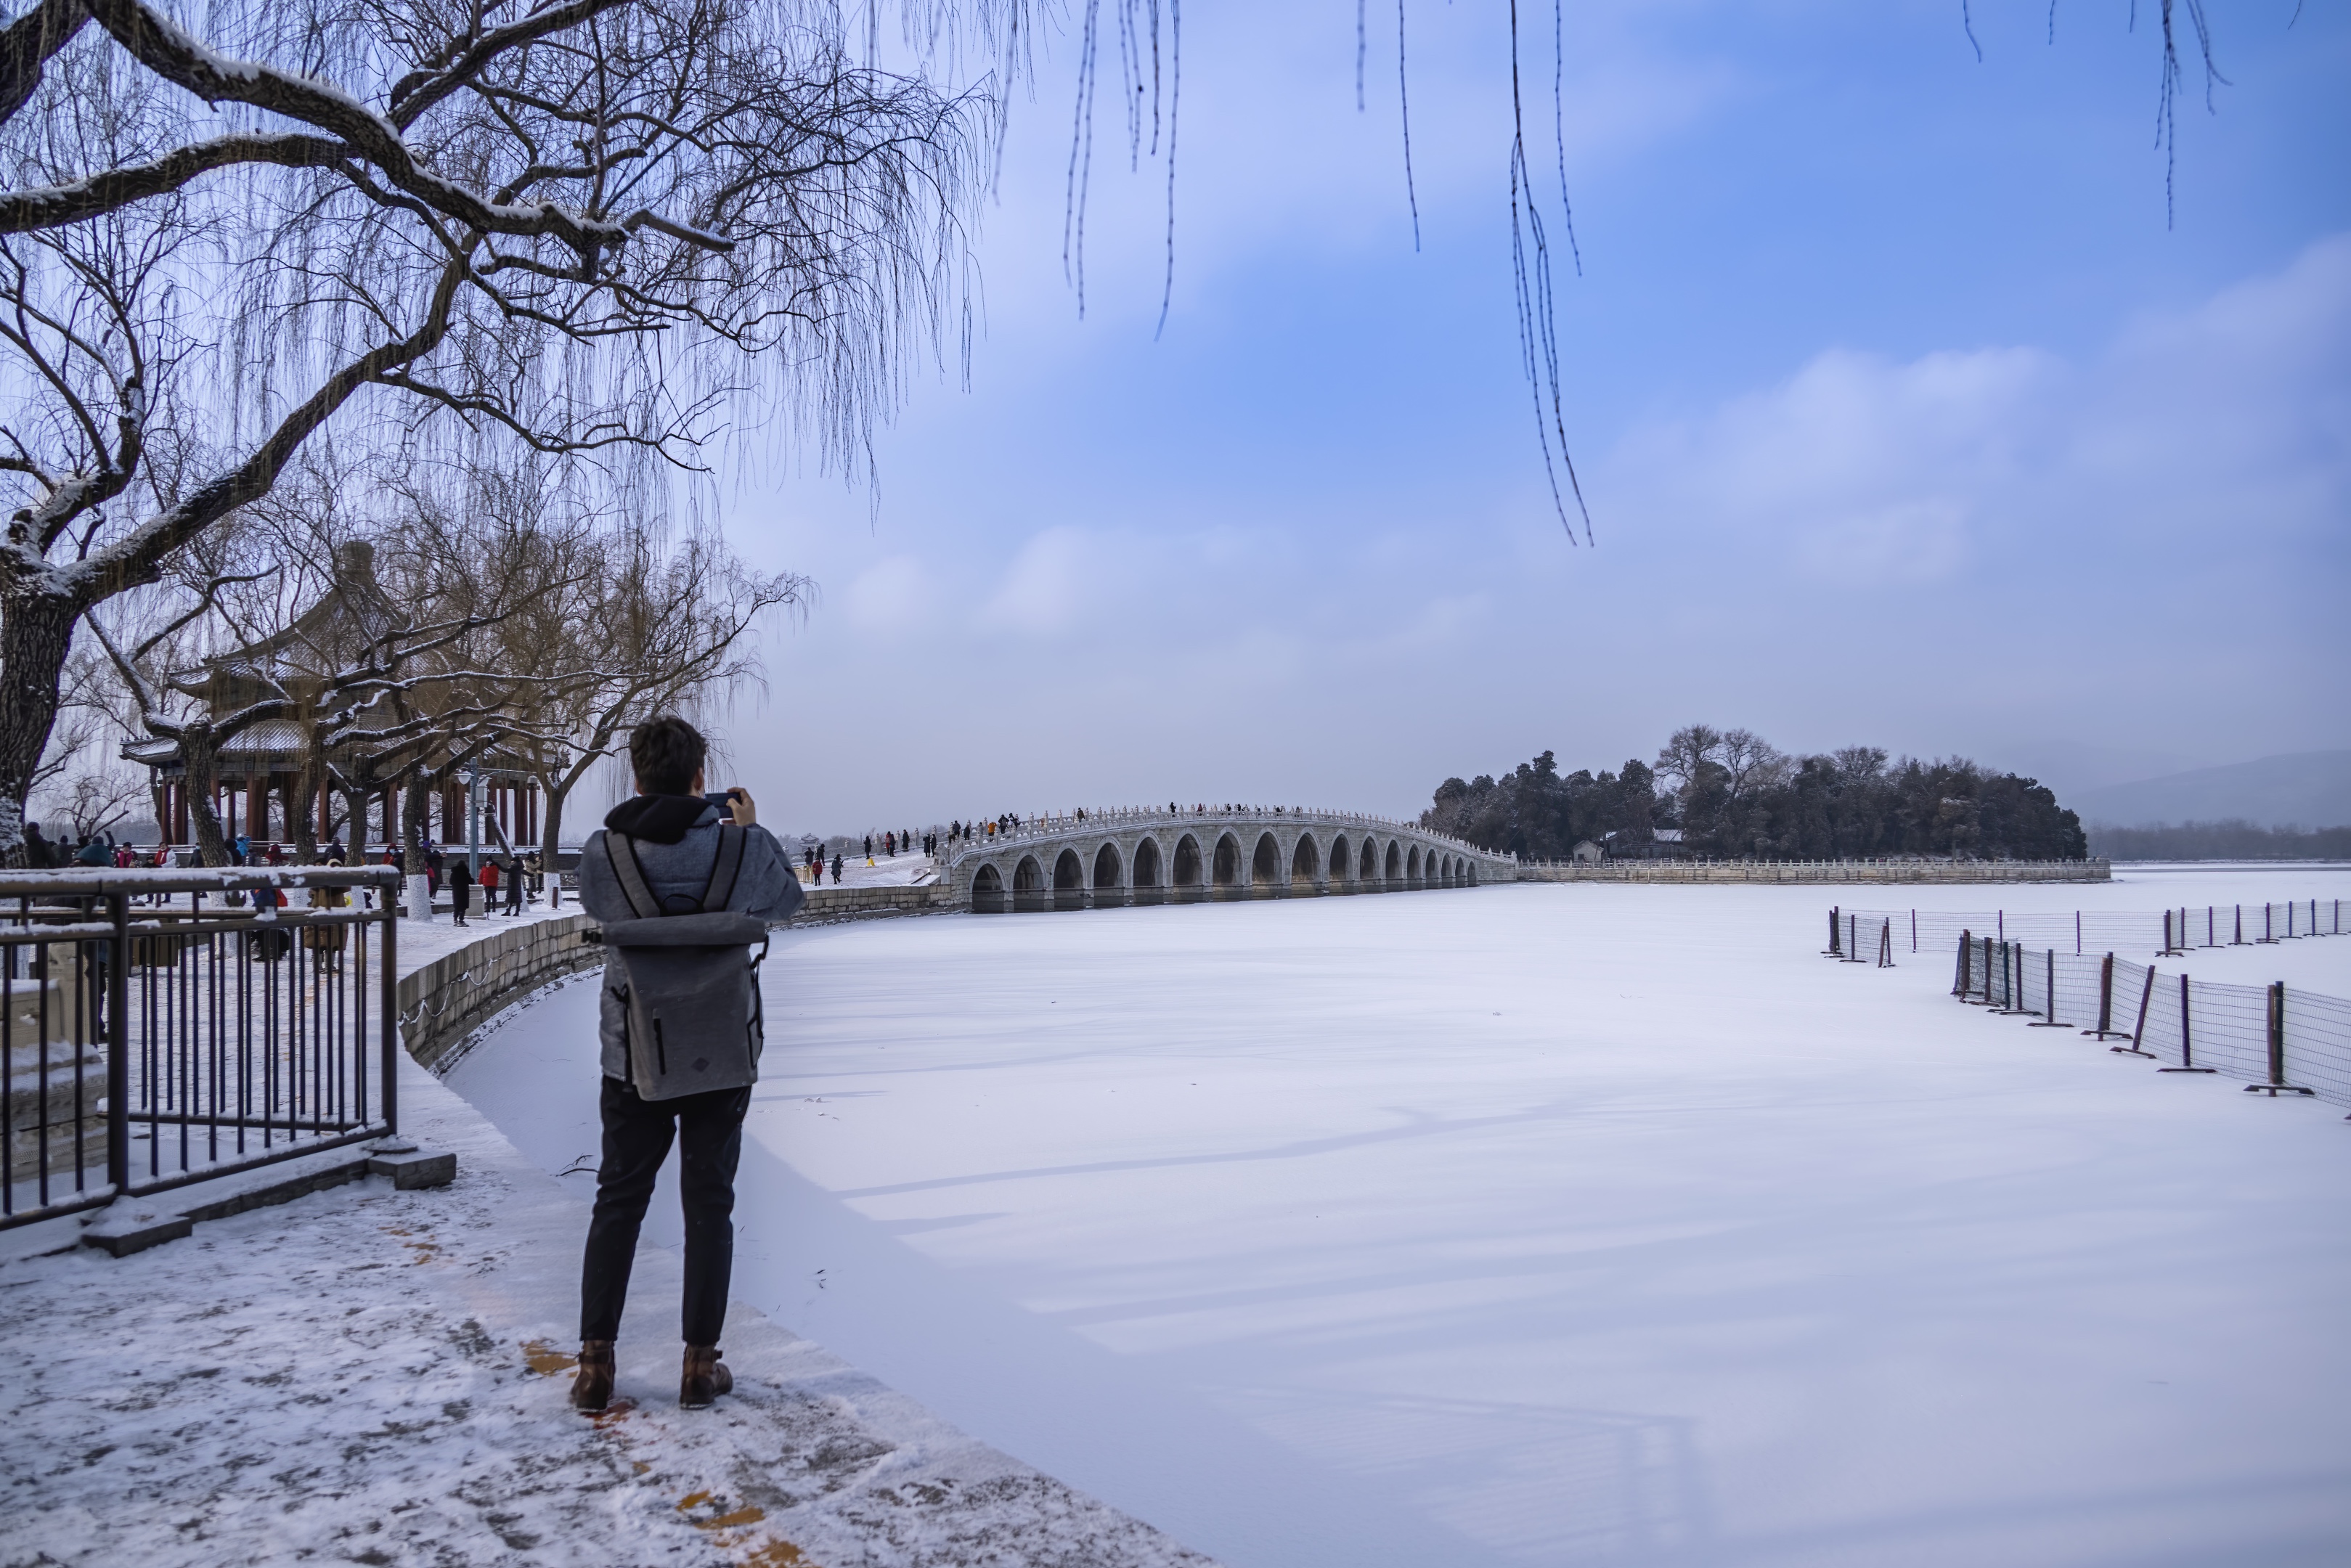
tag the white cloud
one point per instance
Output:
(2212, 430)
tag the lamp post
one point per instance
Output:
(473, 821)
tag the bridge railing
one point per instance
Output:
(1057, 825)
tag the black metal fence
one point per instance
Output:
(164, 1027)
(2273, 1039)
(2163, 932)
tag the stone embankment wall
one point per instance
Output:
(826, 905)
(1852, 872)
(457, 993)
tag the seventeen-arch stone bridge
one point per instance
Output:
(1146, 856)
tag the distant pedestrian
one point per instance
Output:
(490, 886)
(836, 868)
(514, 887)
(869, 849)
(461, 888)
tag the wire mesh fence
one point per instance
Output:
(2273, 1039)
(2163, 932)
(158, 1028)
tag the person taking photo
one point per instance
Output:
(682, 890)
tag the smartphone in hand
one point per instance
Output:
(725, 800)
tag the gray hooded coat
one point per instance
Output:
(677, 842)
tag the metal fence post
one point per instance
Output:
(2105, 1030)
(2049, 1016)
(118, 1055)
(1959, 987)
(2137, 1045)
(2277, 1085)
(389, 1020)
(2186, 1038)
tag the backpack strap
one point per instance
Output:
(631, 875)
(725, 867)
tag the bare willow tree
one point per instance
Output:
(652, 625)
(362, 643)
(606, 231)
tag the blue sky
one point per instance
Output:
(1903, 416)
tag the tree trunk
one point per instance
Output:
(36, 634)
(301, 817)
(201, 782)
(411, 824)
(551, 834)
(157, 793)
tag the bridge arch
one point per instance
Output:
(1411, 873)
(1107, 866)
(1027, 884)
(1265, 862)
(1367, 867)
(1228, 867)
(1342, 863)
(988, 890)
(1146, 861)
(1305, 862)
(1188, 865)
(1394, 875)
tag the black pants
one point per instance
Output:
(637, 1133)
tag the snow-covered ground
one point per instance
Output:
(1544, 1224)
(366, 1376)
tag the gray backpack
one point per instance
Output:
(687, 995)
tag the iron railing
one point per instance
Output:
(162, 1027)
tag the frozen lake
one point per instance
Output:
(1546, 1225)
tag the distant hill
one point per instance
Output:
(2307, 789)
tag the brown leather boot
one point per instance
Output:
(704, 1379)
(592, 1390)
